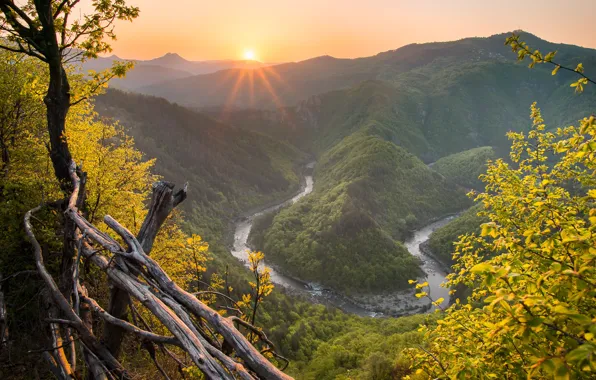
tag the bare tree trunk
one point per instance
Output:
(163, 201)
(57, 101)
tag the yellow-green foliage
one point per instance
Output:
(118, 183)
(532, 267)
(441, 241)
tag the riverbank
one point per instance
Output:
(392, 303)
(228, 238)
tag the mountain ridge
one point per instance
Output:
(288, 84)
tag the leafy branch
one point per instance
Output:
(523, 50)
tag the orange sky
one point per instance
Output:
(282, 30)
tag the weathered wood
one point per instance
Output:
(191, 344)
(163, 201)
(170, 304)
(95, 370)
(61, 302)
(156, 338)
(232, 366)
(224, 326)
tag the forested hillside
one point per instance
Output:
(464, 168)
(112, 268)
(369, 194)
(228, 169)
(444, 107)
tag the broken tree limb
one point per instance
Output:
(224, 326)
(155, 338)
(189, 342)
(163, 201)
(233, 366)
(136, 274)
(62, 303)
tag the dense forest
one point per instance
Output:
(369, 193)
(118, 208)
(229, 169)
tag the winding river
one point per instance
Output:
(372, 305)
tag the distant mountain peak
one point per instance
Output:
(170, 58)
(321, 58)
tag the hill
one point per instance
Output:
(369, 193)
(228, 169)
(170, 66)
(290, 83)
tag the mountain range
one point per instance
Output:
(168, 67)
(290, 83)
(372, 124)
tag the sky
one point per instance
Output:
(283, 30)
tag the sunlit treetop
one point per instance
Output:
(27, 27)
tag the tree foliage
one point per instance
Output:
(465, 168)
(532, 267)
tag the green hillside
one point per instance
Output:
(465, 167)
(431, 99)
(369, 193)
(228, 169)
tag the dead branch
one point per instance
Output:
(224, 326)
(128, 326)
(174, 307)
(62, 303)
(163, 201)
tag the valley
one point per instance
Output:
(371, 194)
(420, 212)
(393, 304)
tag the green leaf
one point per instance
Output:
(579, 354)
(481, 268)
(548, 366)
(581, 319)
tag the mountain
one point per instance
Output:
(169, 67)
(288, 84)
(228, 169)
(372, 123)
(372, 139)
(175, 61)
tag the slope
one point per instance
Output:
(288, 84)
(369, 193)
(228, 169)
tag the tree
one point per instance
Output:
(45, 30)
(42, 29)
(533, 266)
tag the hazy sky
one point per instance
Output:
(282, 30)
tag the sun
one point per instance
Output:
(250, 55)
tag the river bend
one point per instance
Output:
(372, 305)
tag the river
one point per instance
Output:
(371, 305)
